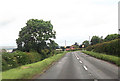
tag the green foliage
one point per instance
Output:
(111, 47)
(45, 53)
(85, 43)
(58, 51)
(110, 58)
(111, 37)
(63, 48)
(53, 45)
(22, 58)
(34, 57)
(90, 48)
(36, 35)
(96, 39)
(30, 70)
(5, 65)
(76, 45)
(8, 61)
(18, 58)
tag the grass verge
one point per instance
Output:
(30, 70)
(110, 58)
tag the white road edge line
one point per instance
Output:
(85, 67)
(80, 61)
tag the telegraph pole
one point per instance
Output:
(65, 43)
(65, 46)
(89, 39)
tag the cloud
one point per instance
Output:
(73, 20)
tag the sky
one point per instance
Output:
(73, 20)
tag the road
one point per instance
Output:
(77, 65)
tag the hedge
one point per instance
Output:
(29, 71)
(111, 47)
(18, 58)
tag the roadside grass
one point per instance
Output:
(110, 58)
(30, 70)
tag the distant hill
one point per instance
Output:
(8, 47)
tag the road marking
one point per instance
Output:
(80, 61)
(75, 55)
(77, 58)
(85, 67)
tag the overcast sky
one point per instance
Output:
(73, 20)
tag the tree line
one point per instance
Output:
(96, 39)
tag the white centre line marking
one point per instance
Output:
(80, 61)
(77, 58)
(85, 67)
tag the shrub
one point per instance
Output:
(18, 58)
(58, 51)
(4, 65)
(111, 47)
(8, 61)
(90, 48)
(34, 57)
(45, 53)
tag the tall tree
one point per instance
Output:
(35, 35)
(86, 43)
(53, 45)
(95, 40)
(76, 45)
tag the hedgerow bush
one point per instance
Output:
(57, 51)
(34, 57)
(90, 48)
(8, 61)
(18, 58)
(111, 47)
(45, 53)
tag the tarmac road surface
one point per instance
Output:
(77, 65)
